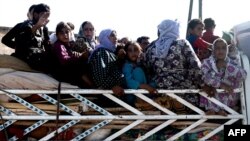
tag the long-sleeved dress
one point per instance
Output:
(232, 75)
(105, 69)
(180, 69)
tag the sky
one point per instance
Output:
(131, 18)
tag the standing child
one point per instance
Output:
(134, 75)
(208, 35)
(200, 46)
(219, 71)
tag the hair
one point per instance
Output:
(129, 44)
(140, 39)
(71, 25)
(32, 7)
(194, 22)
(60, 26)
(209, 23)
(84, 23)
(41, 8)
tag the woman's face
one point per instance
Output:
(64, 35)
(133, 52)
(113, 38)
(88, 30)
(220, 50)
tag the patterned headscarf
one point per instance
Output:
(104, 40)
(168, 32)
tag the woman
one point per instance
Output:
(220, 71)
(87, 33)
(104, 64)
(172, 62)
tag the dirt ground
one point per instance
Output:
(4, 49)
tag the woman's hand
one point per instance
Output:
(209, 90)
(117, 90)
(85, 54)
(227, 88)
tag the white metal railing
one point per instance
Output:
(136, 118)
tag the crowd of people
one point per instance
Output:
(201, 61)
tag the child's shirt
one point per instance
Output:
(134, 75)
(63, 53)
(197, 42)
(209, 36)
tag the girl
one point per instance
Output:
(70, 65)
(134, 75)
(219, 71)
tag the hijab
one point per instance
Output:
(168, 32)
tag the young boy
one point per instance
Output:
(209, 36)
(201, 47)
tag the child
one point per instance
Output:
(134, 75)
(71, 65)
(201, 47)
(220, 72)
(209, 36)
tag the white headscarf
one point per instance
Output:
(168, 32)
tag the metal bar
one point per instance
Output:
(176, 136)
(123, 117)
(125, 129)
(243, 107)
(31, 107)
(65, 108)
(209, 135)
(200, 9)
(189, 105)
(218, 103)
(190, 10)
(7, 112)
(246, 97)
(59, 130)
(156, 129)
(30, 129)
(91, 104)
(91, 130)
(96, 91)
(71, 123)
(123, 104)
(150, 101)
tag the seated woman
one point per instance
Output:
(105, 70)
(70, 66)
(220, 71)
(172, 61)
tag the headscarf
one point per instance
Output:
(168, 32)
(92, 41)
(104, 40)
